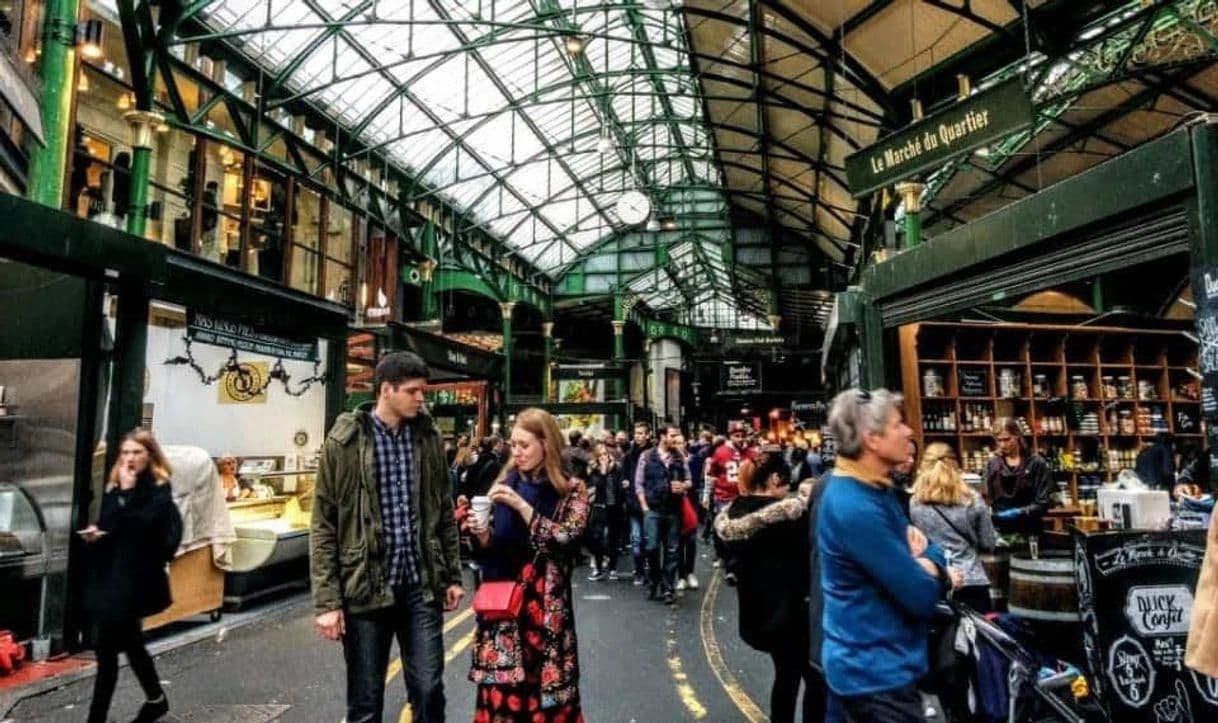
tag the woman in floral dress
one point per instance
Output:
(527, 670)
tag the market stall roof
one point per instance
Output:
(532, 117)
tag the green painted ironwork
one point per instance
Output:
(48, 162)
(137, 214)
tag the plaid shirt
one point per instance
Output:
(395, 473)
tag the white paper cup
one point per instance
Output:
(481, 509)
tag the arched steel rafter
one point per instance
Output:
(865, 115)
(830, 53)
(473, 153)
(540, 27)
(532, 126)
(520, 104)
(803, 195)
(315, 44)
(831, 171)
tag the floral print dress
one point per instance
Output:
(527, 670)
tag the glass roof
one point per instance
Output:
(484, 101)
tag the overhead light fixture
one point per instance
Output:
(653, 224)
(89, 39)
(124, 101)
(668, 224)
(605, 145)
(575, 44)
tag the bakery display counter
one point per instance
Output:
(271, 554)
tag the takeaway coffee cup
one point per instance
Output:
(481, 509)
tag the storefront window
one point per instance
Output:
(172, 191)
(40, 413)
(255, 434)
(339, 238)
(306, 230)
(268, 199)
(220, 238)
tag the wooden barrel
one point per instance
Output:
(997, 566)
(1044, 594)
(1043, 589)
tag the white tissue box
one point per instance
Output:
(1134, 509)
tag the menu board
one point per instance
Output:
(1205, 293)
(1136, 600)
(974, 382)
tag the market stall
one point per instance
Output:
(1083, 314)
(460, 395)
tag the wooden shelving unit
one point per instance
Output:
(1159, 367)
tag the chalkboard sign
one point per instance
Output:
(1205, 292)
(1135, 592)
(974, 382)
(738, 376)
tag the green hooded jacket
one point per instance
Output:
(347, 555)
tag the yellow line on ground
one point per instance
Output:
(395, 667)
(457, 619)
(685, 691)
(713, 656)
(456, 649)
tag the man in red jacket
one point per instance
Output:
(724, 468)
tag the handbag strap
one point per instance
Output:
(967, 538)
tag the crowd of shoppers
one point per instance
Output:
(844, 617)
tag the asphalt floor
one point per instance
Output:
(641, 662)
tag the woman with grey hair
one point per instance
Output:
(892, 580)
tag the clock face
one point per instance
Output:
(633, 207)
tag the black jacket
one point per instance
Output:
(607, 486)
(479, 476)
(127, 576)
(768, 538)
(630, 463)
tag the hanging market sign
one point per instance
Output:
(663, 329)
(207, 329)
(588, 371)
(737, 376)
(757, 341)
(964, 127)
(442, 352)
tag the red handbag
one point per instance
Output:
(499, 600)
(689, 516)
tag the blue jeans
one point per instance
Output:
(417, 626)
(662, 529)
(636, 543)
(903, 705)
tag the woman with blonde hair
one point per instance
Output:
(955, 517)
(527, 669)
(137, 532)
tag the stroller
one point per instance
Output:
(999, 677)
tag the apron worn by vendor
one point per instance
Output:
(1027, 487)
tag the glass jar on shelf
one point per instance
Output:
(1078, 387)
(932, 383)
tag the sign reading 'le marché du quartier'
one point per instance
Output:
(965, 126)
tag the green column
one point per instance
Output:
(547, 376)
(911, 194)
(619, 354)
(506, 307)
(48, 163)
(143, 124)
